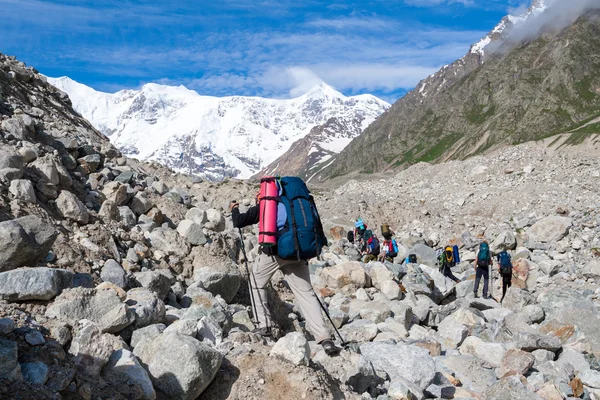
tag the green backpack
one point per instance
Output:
(483, 258)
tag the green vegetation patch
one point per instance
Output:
(439, 148)
(478, 114)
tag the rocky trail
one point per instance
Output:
(124, 280)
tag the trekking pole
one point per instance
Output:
(243, 246)
(330, 320)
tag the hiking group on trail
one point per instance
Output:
(291, 233)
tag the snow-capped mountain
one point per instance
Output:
(211, 136)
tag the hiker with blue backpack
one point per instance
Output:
(483, 262)
(371, 247)
(299, 237)
(505, 269)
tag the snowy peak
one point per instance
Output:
(215, 137)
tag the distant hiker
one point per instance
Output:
(359, 229)
(371, 247)
(483, 261)
(505, 267)
(446, 261)
(289, 254)
(390, 250)
(387, 232)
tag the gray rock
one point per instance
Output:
(469, 370)
(103, 307)
(375, 311)
(21, 127)
(550, 267)
(574, 358)
(492, 353)
(216, 221)
(209, 331)
(9, 367)
(196, 215)
(113, 272)
(116, 192)
(293, 348)
(10, 174)
(51, 171)
(425, 254)
(402, 389)
(510, 388)
(61, 379)
(401, 361)
(124, 177)
(161, 188)
(158, 282)
(516, 299)
(516, 361)
(35, 338)
(10, 159)
(453, 333)
(550, 229)
(504, 241)
(141, 204)
(35, 373)
(24, 241)
(192, 232)
(180, 366)
(188, 327)
(530, 342)
(146, 333)
(72, 208)
(34, 283)
(223, 279)
(379, 273)
(169, 241)
(109, 211)
(127, 216)
(123, 364)
(533, 314)
(590, 378)
(23, 190)
(359, 331)
(6, 326)
(90, 163)
(91, 349)
(146, 306)
(592, 269)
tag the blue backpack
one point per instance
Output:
(483, 258)
(300, 233)
(505, 263)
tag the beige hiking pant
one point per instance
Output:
(298, 278)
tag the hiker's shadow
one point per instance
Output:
(220, 388)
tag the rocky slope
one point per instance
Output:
(124, 280)
(217, 137)
(501, 92)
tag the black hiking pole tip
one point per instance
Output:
(343, 342)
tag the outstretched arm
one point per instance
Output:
(240, 220)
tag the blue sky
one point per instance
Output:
(274, 48)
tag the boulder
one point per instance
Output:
(109, 211)
(6, 326)
(21, 127)
(141, 203)
(169, 242)
(530, 342)
(9, 367)
(510, 388)
(113, 272)
(468, 370)
(550, 229)
(359, 331)
(590, 378)
(127, 217)
(192, 232)
(24, 241)
(492, 353)
(91, 349)
(124, 368)
(90, 163)
(187, 327)
(209, 331)
(35, 338)
(23, 190)
(401, 361)
(35, 373)
(34, 283)
(103, 307)
(425, 254)
(375, 311)
(146, 333)
(391, 290)
(216, 221)
(402, 389)
(116, 192)
(379, 274)
(179, 366)
(453, 333)
(71, 208)
(158, 282)
(146, 306)
(592, 269)
(51, 171)
(293, 348)
(160, 187)
(516, 361)
(349, 273)
(504, 241)
(222, 279)
(196, 215)
(10, 159)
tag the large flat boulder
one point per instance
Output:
(24, 241)
(34, 283)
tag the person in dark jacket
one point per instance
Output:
(297, 276)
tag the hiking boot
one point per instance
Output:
(264, 332)
(330, 348)
(475, 295)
